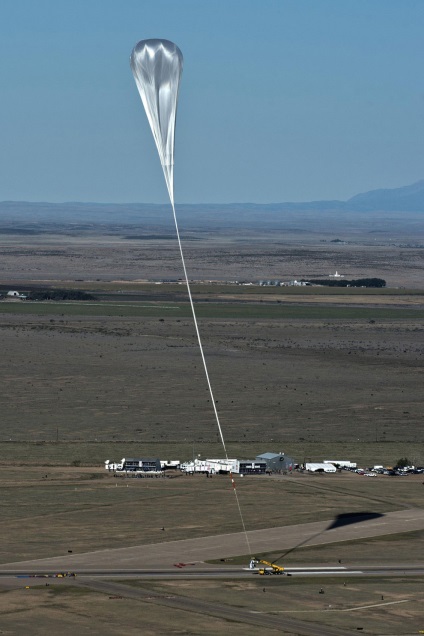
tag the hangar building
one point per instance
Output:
(276, 461)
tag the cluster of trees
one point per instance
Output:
(60, 294)
(402, 462)
(358, 282)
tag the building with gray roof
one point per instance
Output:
(276, 462)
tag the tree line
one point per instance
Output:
(357, 282)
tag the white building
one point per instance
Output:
(16, 294)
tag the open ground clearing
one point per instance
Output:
(48, 512)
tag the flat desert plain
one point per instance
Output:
(277, 381)
(334, 374)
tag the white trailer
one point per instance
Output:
(225, 465)
(198, 466)
(169, 463)
(211, 466)
(341, 463)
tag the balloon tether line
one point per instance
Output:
(207, 374)
(156, 63)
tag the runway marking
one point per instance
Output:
(306, 568)
(302, 570)
(353, 609)
(37, 302)
(330, 609)
(316, 572)
(310, 571)
(287, 612)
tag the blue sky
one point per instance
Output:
(281, 100)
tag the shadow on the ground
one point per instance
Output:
(339, 521)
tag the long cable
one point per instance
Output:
(207, 375)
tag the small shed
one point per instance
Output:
(276, 462)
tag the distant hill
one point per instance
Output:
(407, 199)
(26, 218)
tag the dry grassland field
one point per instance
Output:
(48, 511)
(112, 252)
(68, 610)
(301, 600)
(60, 607)
(318, 373)
(276, 381)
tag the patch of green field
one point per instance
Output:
(211, 310)
(93, 309)
(276, 311)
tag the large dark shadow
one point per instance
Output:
(346, 518)
(343, 519)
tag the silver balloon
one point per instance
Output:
(157, 66)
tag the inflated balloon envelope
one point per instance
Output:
(157, 66)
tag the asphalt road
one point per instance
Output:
(191, 571)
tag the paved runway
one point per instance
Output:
(15, 576)
(165, 555)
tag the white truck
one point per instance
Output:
(211, 466)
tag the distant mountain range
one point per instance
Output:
(408, 199)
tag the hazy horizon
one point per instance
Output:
(408, 198)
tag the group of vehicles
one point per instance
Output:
(57, 575)
(382, 470)
(399, 472)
